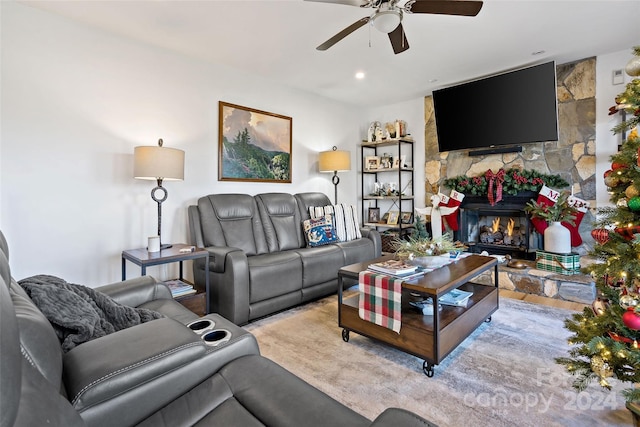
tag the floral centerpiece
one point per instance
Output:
(424, 250)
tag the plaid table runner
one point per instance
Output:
(380, 300)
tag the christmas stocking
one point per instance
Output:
(581, 206)
(547, 196)
(452, 201)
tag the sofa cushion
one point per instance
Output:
(280, 221)
(232, 220)
(320, 264)
(319, 231)
(345, 219)
(275, 274)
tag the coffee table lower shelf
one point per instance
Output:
(417, 335)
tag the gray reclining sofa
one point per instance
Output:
(259, 261)
(155, 374)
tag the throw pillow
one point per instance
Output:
(319, 231)
(345, 219)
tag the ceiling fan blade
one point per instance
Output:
(357, 3)
(446, 7)
(342, 34)
(398, 40)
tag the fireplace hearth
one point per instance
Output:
(502, 229)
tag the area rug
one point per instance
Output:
(504, 374)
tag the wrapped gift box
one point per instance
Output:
(558, 263)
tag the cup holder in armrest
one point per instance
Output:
(201, 326)
(216, 337)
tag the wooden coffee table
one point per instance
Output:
(429, 337)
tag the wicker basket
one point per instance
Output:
(387, 241)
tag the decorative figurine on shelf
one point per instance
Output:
(372, 132)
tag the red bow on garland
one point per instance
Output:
(498, 178)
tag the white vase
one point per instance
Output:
(557, 238)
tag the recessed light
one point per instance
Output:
(360, 75)
(537, 52)
(433, 80)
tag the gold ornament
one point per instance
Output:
(600, 367)
(633, 67)
(629, 300)
(631, 191)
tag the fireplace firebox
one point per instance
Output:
(502, 229)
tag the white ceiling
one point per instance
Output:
(276, 39)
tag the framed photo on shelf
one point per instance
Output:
(253, 145)
(372, 163)
(385, 218)
(393, 217)
(406, 217)
(374, 215)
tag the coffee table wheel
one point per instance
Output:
(345, 335)
(428, 369)
(488, 319)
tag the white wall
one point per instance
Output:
(75, 101)
(606, 91)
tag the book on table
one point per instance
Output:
(393, 267)
(179, 288)
(456, 297)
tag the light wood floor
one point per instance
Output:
(536, 299)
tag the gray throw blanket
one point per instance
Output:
(78, 313)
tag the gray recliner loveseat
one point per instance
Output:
(260, 262)
(159, 373)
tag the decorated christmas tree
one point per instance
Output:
(606, 336)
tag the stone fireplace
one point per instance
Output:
(572, 157)
(502, 229)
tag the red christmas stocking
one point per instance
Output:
(546, 196)
(452, 201)
(581, 206)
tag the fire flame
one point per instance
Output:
(510, 226)
(495, 225)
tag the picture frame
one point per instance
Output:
(385, 218)
(373, 215)
(253, 145)
(393, 218)
(372, 163)
(406, 217)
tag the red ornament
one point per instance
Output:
(618, 165)
(631, 320)
(600, 235)
(628, 232)
(609, 172)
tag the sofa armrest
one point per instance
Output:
(218, 257)
(137, 291)
(374, 236)
(392, 417)
(102, 369)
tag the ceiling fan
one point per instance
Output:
(387, 16)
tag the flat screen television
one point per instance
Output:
(511, 108)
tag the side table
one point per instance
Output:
(145, 259)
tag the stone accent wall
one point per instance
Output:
(573, 156)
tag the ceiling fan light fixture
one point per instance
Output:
(387, 20)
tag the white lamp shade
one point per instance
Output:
(153, 163)
(336, 160)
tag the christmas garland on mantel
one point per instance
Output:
(510, 181)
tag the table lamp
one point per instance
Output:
(335, 161)
(158, 163)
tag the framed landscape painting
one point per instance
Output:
(253, 145)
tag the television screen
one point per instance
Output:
(512, 108)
